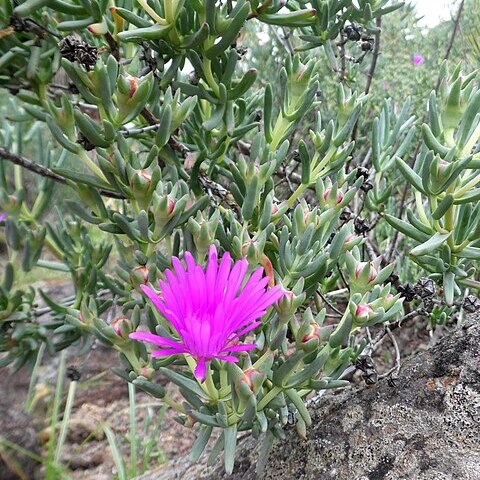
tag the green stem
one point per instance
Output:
(192, 364)
(467, 187)
(17, 175)
(223, 378)
(153, 14)
(450, 216)
(33, 379)
(132, 358)
(51, 467)
(207, 66)
(471, 141)
(421, 211)
(317, 170)
(281, 126)
(469, 283)
(173, 404)
(212, 390)
(169, 12)
(296, 194)
(66, 418)
(133, 429)
(268, 398)
(94, 168)
(266, 355)
(449, 138)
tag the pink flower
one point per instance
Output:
(418, 60)
(208, 309)
(3, 216)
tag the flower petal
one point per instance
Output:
(227, 358)
(151, 294)
(240, 348)
(166, 352)
(201, 369)
(152, 338)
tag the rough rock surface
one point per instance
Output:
(426, 428)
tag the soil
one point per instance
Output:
(101, 399)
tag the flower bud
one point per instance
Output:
(118, 20)
(418, 60)
(278, 209)
(170, 205)
(122, 326)
(254, 378)
(203, 229)
(165, 208)
(190, 422)
(442, 166)
(363, 266)
(100, 28)
(250, 383)
(351, 241)
(268, 268)
(141, 180)
(386, 301)
(363, 311)
(332, 202)
(146, 372)
(139, 276)
(133, 81)
(285, 306)
(309, 337)
(251, 250)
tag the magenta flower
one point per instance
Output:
(418, 60)
(3, 216)
(209, 310)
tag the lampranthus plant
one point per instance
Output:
(209, 310)
(166, 140)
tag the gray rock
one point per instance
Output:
(426, 428)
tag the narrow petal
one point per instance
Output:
(201, 369)
(190, 261)
(166, 352)
(150, 293)
(211, 276)
(227, 358)
(178, 267)
(236, 279)
(222, 276)
(240, 348)
(244, 331)
(156, 339)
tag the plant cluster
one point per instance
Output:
(177, 161)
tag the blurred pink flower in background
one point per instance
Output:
(418, 60)
(3, 216)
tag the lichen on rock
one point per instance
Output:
(426, 428)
